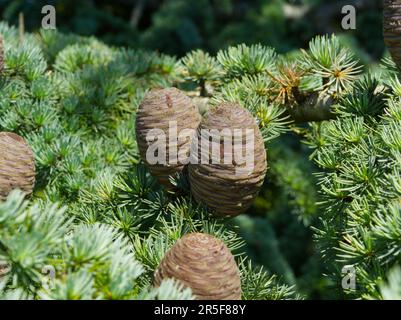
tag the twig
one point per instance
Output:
(21, 26)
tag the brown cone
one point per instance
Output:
(17, 165)
(392, 28)
(204, 264)
(221, 186)
(159, 107)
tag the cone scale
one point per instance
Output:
(392, 28)
(17, 165)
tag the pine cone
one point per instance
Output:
(392, 28)
(204, 264)
(157, 110)
(17, 165)
(228, 188)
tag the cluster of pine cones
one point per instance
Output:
(200, 261)
(226, 187)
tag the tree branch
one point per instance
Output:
(136, 13)
(317, 107)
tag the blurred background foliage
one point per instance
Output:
(177, 26)
(277, 228)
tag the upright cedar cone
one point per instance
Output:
(392, 28)
(159, 109)
(204, 264)
(228, 186)
(17, 165)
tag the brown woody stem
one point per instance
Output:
(317, 107)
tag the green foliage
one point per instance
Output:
(199, 66)
(178, 26)
(359, 158)
(75, 103)
(391, 289)
(74, 99)
(41, 230)
(242, 59)
(258, 285)
(335, 65)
